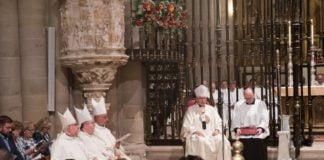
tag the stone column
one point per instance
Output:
(33, 58)
(93, 42)
(130, 108)
(10, 89)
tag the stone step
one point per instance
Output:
(315, 152)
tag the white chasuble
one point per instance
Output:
(208, 147)
(66, 147)
(95, 146)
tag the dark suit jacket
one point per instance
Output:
(13, 147)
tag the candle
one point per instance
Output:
(312, 32)
(289, 34)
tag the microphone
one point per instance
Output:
(203, 124)
(203, 120)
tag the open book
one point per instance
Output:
(123, 137)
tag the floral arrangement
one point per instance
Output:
(161, 13)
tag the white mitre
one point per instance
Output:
(202, 91)
(67, 118)
(83, 115)
(99, 108)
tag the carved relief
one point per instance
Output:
(92, 34)
(95, 75)
(90, 24)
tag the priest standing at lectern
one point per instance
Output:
(251, 125)
(202, 129)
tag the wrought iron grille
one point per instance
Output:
(238, 47)
(161, 50)
(163, 112)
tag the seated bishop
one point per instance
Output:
(202, 129)
(103, 133)
(92, 143)
(67, 145)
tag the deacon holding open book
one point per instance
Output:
(251, 124)
(202, 129)
(103, 133)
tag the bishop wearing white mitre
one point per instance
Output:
(103, 133)
(92, 143)
(202, 129)
(67, 145)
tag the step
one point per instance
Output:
(315, 152)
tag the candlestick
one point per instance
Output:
(289, 34)
(312, 32)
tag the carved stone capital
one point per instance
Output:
(93, 94)
(94, 74)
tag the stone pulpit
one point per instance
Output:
(92, 33)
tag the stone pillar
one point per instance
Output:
(130, 108)
(33, 58)
(93, 43)
(10, 89)
(284, 145)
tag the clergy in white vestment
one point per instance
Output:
(103, 133)
(319, 80)
(214, 92)
(230, 98)
(92, 143)
(202, 130)
(251, 124)
(67, 145)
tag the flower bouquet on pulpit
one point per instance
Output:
(158, 16)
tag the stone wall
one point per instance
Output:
(23, 60)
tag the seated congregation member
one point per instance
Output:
(16, 132)
(103, 133)
(94, 145)
(6, 141)
(67, 145)
(251, 124)
(26, 141)
(42, 136)
(202, 129)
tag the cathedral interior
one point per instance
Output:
(56, 54)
